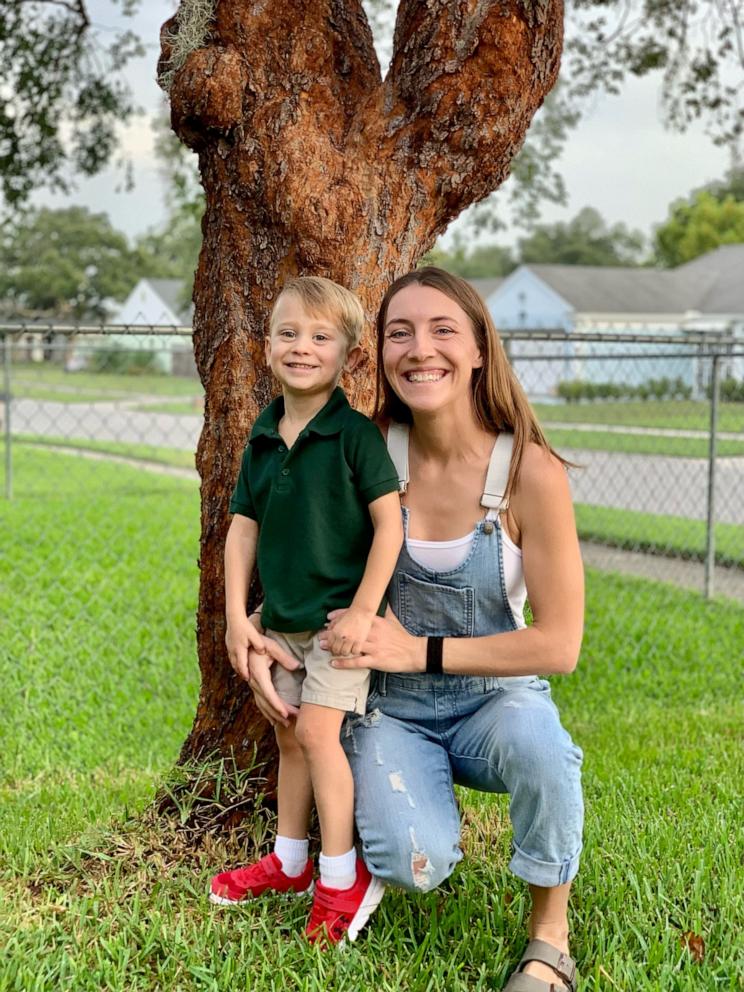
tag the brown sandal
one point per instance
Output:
(562, 965)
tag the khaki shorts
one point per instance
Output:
(316, 682)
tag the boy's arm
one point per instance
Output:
(240, 557)
(351, 631)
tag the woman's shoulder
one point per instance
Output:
(384, 424)
(540, 471)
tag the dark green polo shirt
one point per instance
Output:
(311, 505)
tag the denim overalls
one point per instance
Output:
(422, 733)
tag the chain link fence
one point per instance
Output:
(99, 510)
(100, 502)
(656, 425)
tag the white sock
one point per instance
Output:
(292, 854)
(338, 872)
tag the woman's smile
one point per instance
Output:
(425, 375)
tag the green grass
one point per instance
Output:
(144, 452)
(676, 536)
(99, 688)
(681, 414)
(46, 394)
(641, 444)
(32, 378)
(97, 649)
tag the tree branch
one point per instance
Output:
(465, 81)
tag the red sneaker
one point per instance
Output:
(253, 880)
(339, 914)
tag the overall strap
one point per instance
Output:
(497, 477)
(397, 444)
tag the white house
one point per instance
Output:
(158, 302)
(706, 294)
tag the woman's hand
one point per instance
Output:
(241, 636)
(274, 709)
(388, 648)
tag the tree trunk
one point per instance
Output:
(312, 164)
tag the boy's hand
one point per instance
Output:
(350, 632)
(240, 637)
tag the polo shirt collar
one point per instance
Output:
(327, 421)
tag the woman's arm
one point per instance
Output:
(542, 511)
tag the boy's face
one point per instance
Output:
(306, 353)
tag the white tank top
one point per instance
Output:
(443, 556)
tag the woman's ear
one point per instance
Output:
(353, 357)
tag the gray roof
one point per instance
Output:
(713, 283)
(172, 292)
(724, 270)
(484, 287)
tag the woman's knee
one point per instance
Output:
(548, 773)
(413, 863)
(538, 749)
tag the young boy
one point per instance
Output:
(317, 499)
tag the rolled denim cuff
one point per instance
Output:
(544, 873)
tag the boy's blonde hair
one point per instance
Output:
(324, 298)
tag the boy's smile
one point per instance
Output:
(306, 352)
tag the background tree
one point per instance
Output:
(584, 240)
(696, 46)
(486, 261)
(732, 184)
(65, 263)
(698, 225)
(172, 250)
(63, 94)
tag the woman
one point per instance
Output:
(455, 698)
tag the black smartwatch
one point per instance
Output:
(434, 655)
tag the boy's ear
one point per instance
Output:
(353, 358)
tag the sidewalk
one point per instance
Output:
(679, 571)
(649, 431)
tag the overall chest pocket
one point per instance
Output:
(431, 609)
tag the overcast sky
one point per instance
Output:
(619, 160)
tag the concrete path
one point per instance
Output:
(645, 431)
(111, 421)
(728, 582)
(657, 484)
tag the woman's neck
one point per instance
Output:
(444, 438)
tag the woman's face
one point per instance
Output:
(429, 349)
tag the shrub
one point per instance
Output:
(124, 361)
(575, 390)
(730, 390)
(571, 390)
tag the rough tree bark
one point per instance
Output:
(312, 163)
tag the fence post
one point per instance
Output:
(6, 411)
(710, 526)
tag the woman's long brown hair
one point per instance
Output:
(498, 398)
